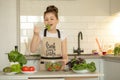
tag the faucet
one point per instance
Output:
(79, 49)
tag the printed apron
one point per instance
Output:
(50, 51)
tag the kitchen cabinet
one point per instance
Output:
(114, 6)
(81, 78)
(13, 79)
(48, 75)
(99, 68)
(48, 79)
(111, 70)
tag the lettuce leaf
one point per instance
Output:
(16, 68)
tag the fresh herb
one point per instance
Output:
(75, 61)
(47, 27)
(81, 64)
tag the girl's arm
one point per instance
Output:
(35, 40)
(64, 50)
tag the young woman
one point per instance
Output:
(53, 41)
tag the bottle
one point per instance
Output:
(16, 48)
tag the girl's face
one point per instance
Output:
(50, 19)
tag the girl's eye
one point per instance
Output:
(52, 19)
(46, 19)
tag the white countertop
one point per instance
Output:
(46, 74)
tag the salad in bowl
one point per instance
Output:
(80, 65)
(53, 66)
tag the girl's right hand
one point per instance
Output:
(36, 30)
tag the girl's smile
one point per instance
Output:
(50, 19)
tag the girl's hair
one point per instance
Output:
(52, 9)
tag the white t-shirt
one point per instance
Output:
(48, 34)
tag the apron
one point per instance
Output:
(50, 49)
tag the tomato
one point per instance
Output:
(31, 68)
(25, 68)
(49, 69)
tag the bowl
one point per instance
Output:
(10, 73)
(81, 71)
(53, 66)
(28, 72)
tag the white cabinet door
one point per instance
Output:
(48, 79)
(99, 68)
(112, 70)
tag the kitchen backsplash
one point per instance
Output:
(92, 27)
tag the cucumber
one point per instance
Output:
(7, 69)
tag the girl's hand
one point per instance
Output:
(36, 30)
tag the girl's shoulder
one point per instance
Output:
(63, 34)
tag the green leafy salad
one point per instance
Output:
(47, 27)
(81, 64)
(56, 66)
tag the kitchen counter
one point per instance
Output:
(86, 56)
(111, 58)
(47, 74)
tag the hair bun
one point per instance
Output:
(52, 8)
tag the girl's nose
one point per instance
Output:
(49, 21)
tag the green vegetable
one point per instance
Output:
(16, 68)
(75, 61)
(80, 66)
(21, 59)
(12, 56)
(53, 66)
(117, 50)
(91, 67)
(47, 27)
(15, 56)
(13, 68)
(7, 69)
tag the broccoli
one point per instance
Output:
(15, 56)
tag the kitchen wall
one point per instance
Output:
(91, 17)
(92, 27)
(8, 29)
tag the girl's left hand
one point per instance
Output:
(36, 30)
